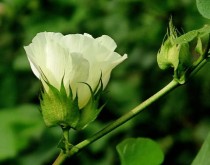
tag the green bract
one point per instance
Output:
(59, 108)
(183, 52)
(74, 70)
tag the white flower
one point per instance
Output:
(76, 59)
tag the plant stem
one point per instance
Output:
(198, 67)
(60, 159)
(132, 113)
(64, 152)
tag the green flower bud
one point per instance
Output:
(181, 53)
(172, 54)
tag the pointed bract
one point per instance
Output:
(58, 108)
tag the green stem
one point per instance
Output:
(64, 152)
(132, 113)
(60, 159)
(65, 140)
(198, 67)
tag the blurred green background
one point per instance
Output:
(178, 122)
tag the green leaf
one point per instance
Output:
(203, 155)
(140, 151)
(186, 38)
(204, 8)
(205, 30)
(44, 152)
(191, 35)
(18, 126)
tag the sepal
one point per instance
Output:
(91, 111)
(59, 108)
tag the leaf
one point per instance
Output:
(204, 8)
(191, 35)
(186, 38)
(18, 126)
(203, 155)
(140, 151)
(44, 152)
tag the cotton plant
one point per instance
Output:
(75, 69)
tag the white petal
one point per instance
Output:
(77, 42)
(84, 94)
(88, 35)
(79, 76)
(108, 67)
(46, 56)
(33, 65)
(107, 42)
(55, 62)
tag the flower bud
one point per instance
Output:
(185, 52)
(176, 53)
(172, 54)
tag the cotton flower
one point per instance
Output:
(79, 65)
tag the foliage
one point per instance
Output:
(203, 7)
(139, 151)
(179, 122)
(203, 155)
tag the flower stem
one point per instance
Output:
(132, 113)
(66, 148)
(60, 159)
(198, 67)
